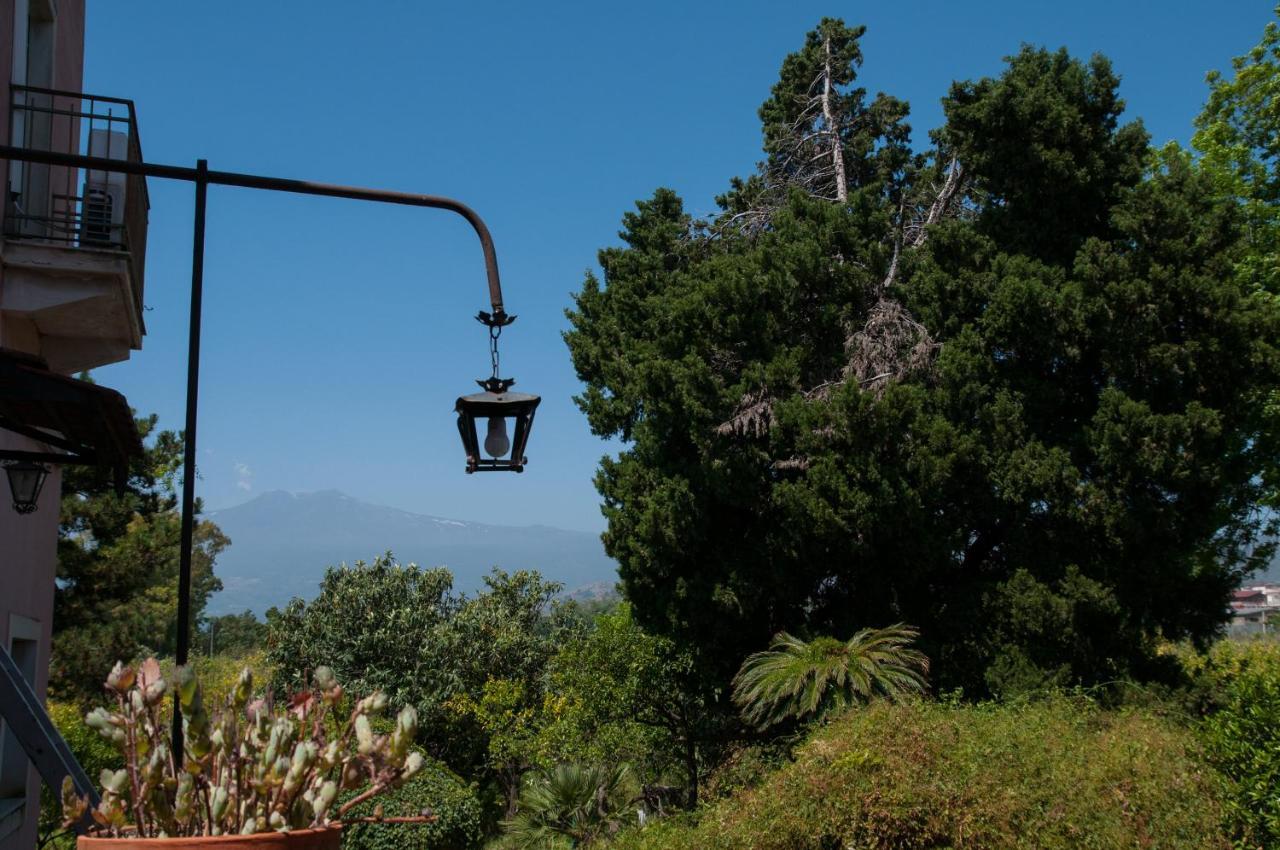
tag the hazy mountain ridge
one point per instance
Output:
(281, 544)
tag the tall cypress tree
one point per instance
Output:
(1060, 466)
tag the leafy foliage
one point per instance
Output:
(1045, 143)
(92, 752)
(231, 634)
(457, 810)
(1084, 438)
(1238, 138)
(795, 678)
(511, 723)
(568, 806)
(1238, 684)
(118, 565)
(618, 694)
(377, 625)
(1048, 775)
(399, 629)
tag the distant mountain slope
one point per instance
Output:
(282, 542)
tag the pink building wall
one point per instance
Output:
(28, 543)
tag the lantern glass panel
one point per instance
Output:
(495, 429)
(25, 482)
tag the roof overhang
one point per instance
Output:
(81, 422)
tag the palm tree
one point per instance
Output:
(570, 805)
(797, 678)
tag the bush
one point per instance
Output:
(90, 749)
(1238, 685)
(454, 803)
(1054, 774)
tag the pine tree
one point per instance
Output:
(1063, 462)
(116, 596)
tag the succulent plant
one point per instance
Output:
(248, 766)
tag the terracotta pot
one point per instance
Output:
(328, 838)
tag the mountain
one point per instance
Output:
(282, 542)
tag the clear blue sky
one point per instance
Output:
(338, 334)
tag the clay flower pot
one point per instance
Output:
(327, 838)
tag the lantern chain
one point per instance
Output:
(495, 331)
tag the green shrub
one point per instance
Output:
(93, 752)
(1046, 775)
(1238, 688)
(454, 803)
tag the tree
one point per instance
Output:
(1047, 151)
(510, 722)
(623, 695)
(118, 552)
(820, 134)
(795, 678)
(1078, 433)
(378, 626)
(1238, 139)
(231, 634)
(402, 630)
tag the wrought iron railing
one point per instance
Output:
(72, 206)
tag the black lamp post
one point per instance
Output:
(494, 404)
(25, 482)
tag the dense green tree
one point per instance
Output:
(799, 679)
(231, 634)
(402, 630)
(1238, 139)
(378, 626)
(619, 694)
(821, 135)
(117, 590)
(1036, 442)
(1046, 149)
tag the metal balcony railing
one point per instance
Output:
(71, 206)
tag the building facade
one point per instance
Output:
(1254, 609)
(72, 255)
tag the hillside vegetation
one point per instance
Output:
(1053, 774)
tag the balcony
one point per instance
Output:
(74, 240)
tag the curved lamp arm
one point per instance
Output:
(280, 184)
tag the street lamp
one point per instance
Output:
(496, 404)
(25, 481)
(504, 445)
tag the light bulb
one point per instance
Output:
(496, 442)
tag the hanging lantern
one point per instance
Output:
(506, 417)
(25, 481)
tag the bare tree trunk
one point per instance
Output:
(833, 128)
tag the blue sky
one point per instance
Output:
(338, 334)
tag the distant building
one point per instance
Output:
(1252, 607)
(72, 254)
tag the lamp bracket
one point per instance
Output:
(496, 385)
(496, 319)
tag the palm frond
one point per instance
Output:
(795, 678)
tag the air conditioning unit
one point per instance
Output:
(102, 201)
